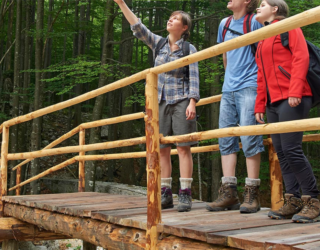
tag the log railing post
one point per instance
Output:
(153, 161)
(82, 141)
(18, 180)
(4, 166)
(275, 179)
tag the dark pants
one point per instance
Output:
(296, 169)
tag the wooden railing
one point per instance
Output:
(152, 138)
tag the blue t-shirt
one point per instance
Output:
(241, 71)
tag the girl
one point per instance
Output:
(177, 97)
(284, 93)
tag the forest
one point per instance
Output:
(55, 50)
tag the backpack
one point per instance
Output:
(246, 29)
(313, 75)
(185, 52)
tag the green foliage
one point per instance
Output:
(138, 96)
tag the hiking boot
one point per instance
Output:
(292, 205)
(227, 200)
(251, 201)
(309, 212)
(166, 198)
(185, 200)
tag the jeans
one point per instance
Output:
(237, 109)
(295, 167)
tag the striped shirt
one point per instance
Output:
(171, 85)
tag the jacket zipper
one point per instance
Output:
(284, 72)
(264, 74)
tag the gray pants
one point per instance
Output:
(172, 121)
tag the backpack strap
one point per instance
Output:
(247, 23)
(186, 52)
(159, 46)
(247, 28)
(226, 27)
(285, 39)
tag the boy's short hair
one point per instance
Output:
(252, 6)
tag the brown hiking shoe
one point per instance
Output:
(251, 201)
(310, 211)
(227, 199)
(292, 205)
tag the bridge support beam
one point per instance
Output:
(17, 230)
(99, 233)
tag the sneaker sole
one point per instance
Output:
(306, 220)
(167, 206)
(183, 210)
(245, 210)
(216, 209)
(279, 217)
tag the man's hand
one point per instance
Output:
(294, 101)
(191, 110)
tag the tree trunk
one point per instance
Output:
(15, 94)
(36, 124)
(98, 107)
(215, 89)
(23, 131)
(81, 49)
(7, 85)
(125, 56)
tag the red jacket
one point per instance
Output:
(282, 70)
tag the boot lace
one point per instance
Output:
(184, 197)
(222, 193)
(307, 206)
(249, 194)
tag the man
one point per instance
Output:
(237, 109)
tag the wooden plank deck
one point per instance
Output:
(227, 228)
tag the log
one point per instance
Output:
(270, 128)
(208, 100)
(18, 181)
(85, 126)
(106, 235)
(53, 144)
(77, 149)
(48, 171)
(299, 20)
(275, 179)
(4, 167)
(153, 161)
(14, 229)
(114, 120)
(87, 96)
(82, 141)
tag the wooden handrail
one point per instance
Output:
(209, 100)
(87, 125)
(269, 128)
(202, 149)
(87, 96)
(299, 20)
(49, 171)
(77, 149)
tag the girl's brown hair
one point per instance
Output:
(283, 9)
(186, 20)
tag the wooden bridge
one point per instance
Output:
(128, 222)
(120, 222)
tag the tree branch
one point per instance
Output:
(49, 30)
(7, 51)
